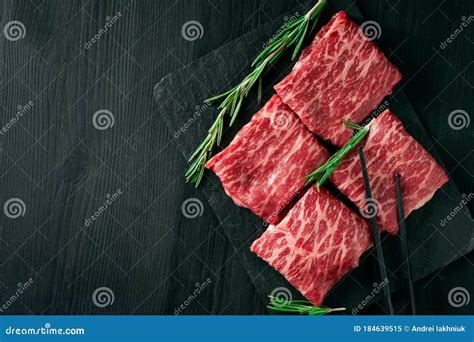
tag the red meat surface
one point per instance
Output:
(316, 244)
(389, 149)
(340, 76)
(263, 168)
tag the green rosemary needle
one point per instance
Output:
(292, 33)
(302, 307)
(322, 173)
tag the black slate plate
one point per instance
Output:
(433, 241)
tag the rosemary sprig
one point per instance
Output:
(291, 34)
(302, 307)
(322, 173)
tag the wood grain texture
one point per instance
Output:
(141, 246)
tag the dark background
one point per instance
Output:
(142, 247)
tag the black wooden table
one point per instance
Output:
(92, 185)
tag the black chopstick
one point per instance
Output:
(403, 236)
(376, 236)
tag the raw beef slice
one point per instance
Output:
(389, 149)
(340, 76)
(317, 242)
(263, 168)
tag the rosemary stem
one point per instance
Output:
(323, 172)
(299, 306)
(291, 34)
(314, 8)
